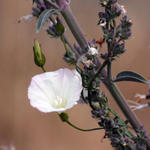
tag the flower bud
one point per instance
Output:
(59, 27)
(92, 51)
(64, 116)
(39, 58)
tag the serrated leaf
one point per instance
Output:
(130, 76)
(43, 18)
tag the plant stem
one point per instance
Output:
(65, 41)
(74, 27)
(98, 72)
(109, 69)
(121, 101)
(85, 130)
(113, 89)
(43, 69)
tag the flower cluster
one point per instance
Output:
(116, 129)
(114, 34)
(41, 5)
(55, 26)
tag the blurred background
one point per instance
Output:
(25, 127)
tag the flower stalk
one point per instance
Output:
(43, 69)
(84, 130)
(113, 89)
(65, 118)
(74, 27)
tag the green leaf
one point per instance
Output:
(130, 76)
(44, 18)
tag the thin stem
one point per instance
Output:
(109, 69)
(43, 69)
(98, 72)
(63, 40)
(67, 41)
(122, 103)
(74, 27)
(84, 130)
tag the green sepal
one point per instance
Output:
(64, 116)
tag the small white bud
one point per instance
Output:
(92, 51)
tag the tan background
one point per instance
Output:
(25, 127)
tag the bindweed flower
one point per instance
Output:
(55, 91)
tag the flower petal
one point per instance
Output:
(55, 91)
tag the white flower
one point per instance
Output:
(55, 91)
(92, 51)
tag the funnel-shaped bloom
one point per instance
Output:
(55, 91)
